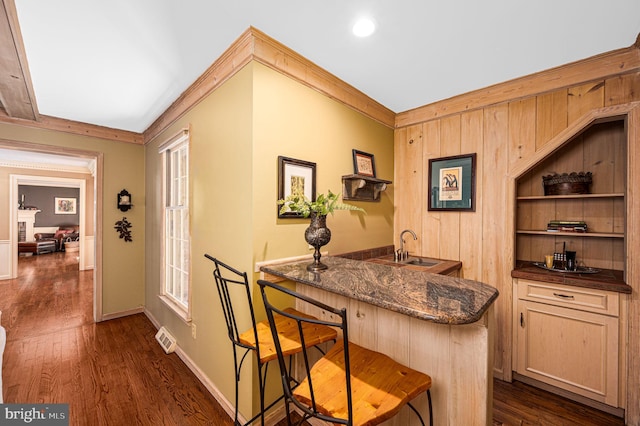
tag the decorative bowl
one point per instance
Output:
(567, 183)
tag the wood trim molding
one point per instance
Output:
(16, 90)
(17, 97)
(48, 149)
(46, 122)
(633, 267)
(580, 125)
(230, 62)
(279, 57)
(616, 62)
(257, 46)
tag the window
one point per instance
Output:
(176, 291)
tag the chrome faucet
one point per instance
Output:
(401, 254)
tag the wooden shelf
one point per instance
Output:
(569, 197)
(362, 188)
(571, 234)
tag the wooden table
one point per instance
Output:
(437, 324)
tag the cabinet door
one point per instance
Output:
(570, 349)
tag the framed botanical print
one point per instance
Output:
(295, 177)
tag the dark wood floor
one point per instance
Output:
(115, 373)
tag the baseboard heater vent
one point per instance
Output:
(166, 340)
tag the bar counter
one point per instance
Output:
(437, 324)
(426, 296)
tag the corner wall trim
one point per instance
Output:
(5, 259)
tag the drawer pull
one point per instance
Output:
(563, 296)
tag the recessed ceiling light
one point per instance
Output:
(364, 27)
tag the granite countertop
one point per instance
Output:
(431, 297)
(606, 279)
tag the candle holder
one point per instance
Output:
(124, 200)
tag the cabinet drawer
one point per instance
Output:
(585, 299)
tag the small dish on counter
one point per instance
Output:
(579, 270)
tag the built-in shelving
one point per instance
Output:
(600, 149)
(571, 234)
(561, 330)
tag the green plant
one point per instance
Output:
(323, 205)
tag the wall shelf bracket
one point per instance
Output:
(362, 188)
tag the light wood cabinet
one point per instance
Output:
(567, 337)
(572, 337)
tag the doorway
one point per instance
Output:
(85, 249)
(90, 250)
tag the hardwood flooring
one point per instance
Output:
(110, 373)
(115, 373)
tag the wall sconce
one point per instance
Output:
(124, 200)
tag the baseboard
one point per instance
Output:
(121, 314)
(619, 412)
(153, 319)
(271, 419)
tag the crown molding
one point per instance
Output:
(47, 167)
(254, 45)
(36, 149)
(598, 67)
(46, 122)
(279, 57)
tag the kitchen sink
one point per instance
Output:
(420, 264)
(419, 261)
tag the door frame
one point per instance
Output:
(98, 185)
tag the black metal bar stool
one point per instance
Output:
(258, 339)
(349, 385)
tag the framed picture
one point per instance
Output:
(65, 205)
(363, 163)
(452, 183)
(295, 177)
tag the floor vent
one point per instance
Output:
(166, 340)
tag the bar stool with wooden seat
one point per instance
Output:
(350, 385)
(227, 278)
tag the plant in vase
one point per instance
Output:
(317, 234)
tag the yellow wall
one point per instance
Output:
(295, 121)
(123, 274)
(237, 133)
(220, 206)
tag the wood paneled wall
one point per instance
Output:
(507, 132)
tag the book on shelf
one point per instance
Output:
(567, 222)
(566, 226)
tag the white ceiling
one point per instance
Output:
(121, 63)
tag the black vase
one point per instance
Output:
(317, 235)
